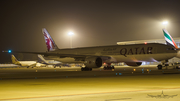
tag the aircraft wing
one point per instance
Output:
(151, 95)
(59, 54)
(172, 96)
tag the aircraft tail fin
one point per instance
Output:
(169, 39)
(41, 59)
(14, 60)
(51, 46)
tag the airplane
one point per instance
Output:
(23, 63)
(161, 96)
(48, 62)
(171, 42)
(94, 57)
(8, 66)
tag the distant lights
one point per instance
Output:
(70, 33)
(165, 22)
(145, 43)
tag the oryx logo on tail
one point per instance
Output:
(51, 46)
(169, 39)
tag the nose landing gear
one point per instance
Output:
(86, 69)
(108, 67)
(163, 64)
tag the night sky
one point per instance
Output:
(94, 22)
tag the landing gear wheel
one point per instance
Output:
(86, 69)
(177, 67)
(166, 64)
(159, 67)
(108, 67)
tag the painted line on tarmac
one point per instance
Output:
(87, 94)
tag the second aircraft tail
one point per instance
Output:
(14, 60)
(169, 39)
(41, 59)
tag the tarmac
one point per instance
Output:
(145, 83)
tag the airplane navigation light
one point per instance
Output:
(9, 51)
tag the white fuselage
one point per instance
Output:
(52, 62)
(151, 52)
(27, 63)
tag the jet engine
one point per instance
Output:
(178, 54)
(133, 63)
(93, 62)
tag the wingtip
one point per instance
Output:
(7, 51)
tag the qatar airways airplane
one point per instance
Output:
(94, 57)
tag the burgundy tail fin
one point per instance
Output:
(51, 46)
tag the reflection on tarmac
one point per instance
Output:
(121, 96)
(162, 96)
(70, 84)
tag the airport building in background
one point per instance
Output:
(173, 60)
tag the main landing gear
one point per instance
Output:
(86, 69)
(108, 67)
(29, 67)
(159, 67)
(163, 64)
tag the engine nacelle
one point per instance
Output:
(133, 63)
(93, 62)
(178, 54)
